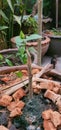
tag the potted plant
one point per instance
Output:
(55, 36)
(55, 45)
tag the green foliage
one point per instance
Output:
(47, 7)
(8, 62)
(29, 5)
(56, 32)
(19, 74)
(1, 57)
(30, 26)
(22, 36)
(22, 54)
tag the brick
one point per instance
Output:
(48, 125)
(46, 114)
(58, 103)
(51, 95)
(3, 127)
(55, 118)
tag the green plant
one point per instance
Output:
(8, 8)
(21, 41)
(5, 60)
(47, 7)
(3, 28)
(54, 31)
(22, 54)
(29, 26)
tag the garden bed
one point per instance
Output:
(32, 114)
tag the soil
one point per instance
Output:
(32, 113)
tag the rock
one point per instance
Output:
(31, 127)
(38, 128)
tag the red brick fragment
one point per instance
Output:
(19, 94)
(48, 125)
(51, 95)
(15, 112)
(3, 127)
(55, 118)
(13, 105)
(46, 114)
(5, 100)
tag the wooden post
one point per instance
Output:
(56, 13)
(29, 74)
(39, 29)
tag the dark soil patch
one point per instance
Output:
(32, 113)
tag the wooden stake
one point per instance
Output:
(30, 74)
(39, 29)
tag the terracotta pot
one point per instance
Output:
(44, 44)
(14, 50)
(7, 69)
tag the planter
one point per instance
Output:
(11, 54)
(55, 45)
(45, 44)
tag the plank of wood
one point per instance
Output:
(55, 73)
(46, 80)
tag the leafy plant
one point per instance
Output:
(54, 31)
(29, 25)
(22, 54)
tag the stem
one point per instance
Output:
(39, 29)
(30, 74)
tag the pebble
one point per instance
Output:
(31, 127)
(38, 128)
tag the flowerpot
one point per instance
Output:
(55, 45)
(44, 44)
(10, 54)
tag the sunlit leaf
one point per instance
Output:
(8, 62)
(3, 28)
(10, 5)
(17, 19)
(1, 57)
(4, 16)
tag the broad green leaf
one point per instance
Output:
(10, 5)
(20, 41)
(8, 62)
(4, 16)
(3, 28)
(17, 19)
(33, 37)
